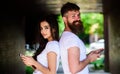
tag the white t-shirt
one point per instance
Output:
(42, 57)
(67, 40)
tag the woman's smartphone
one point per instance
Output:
(20, 54)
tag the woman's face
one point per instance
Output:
(45, 30)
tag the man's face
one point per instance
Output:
(74, 22)
(73, 16)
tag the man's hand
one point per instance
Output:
(92, 56)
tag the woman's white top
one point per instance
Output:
(42, 57)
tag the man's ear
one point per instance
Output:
(65, 20)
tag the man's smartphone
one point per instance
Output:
(101, 51)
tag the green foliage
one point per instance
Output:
(61, 24)
(29, 70)
(90, 19)
(98, 64)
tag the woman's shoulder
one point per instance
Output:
(52, 43)
(52, 46)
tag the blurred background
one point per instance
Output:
(18, 32)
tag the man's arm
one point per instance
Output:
(75, 65)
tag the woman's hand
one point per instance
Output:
(28, 60)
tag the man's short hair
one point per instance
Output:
(69, 7)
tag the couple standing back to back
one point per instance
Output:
(70, 47)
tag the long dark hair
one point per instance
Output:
(51, 19)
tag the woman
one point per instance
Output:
(47, 56)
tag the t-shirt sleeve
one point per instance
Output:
(70, 42)
(52, 47)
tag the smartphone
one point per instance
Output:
(20, 54)
(101, 52)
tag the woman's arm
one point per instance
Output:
(51, 58)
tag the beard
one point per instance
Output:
(76, 27)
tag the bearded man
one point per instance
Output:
(73, 50)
